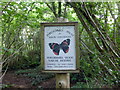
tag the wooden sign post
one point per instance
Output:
(60, 50)
(62, 80)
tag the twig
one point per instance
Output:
(3, 73)
(86, 47)
(6, 6)
(52, 9)
(12, 54)
(59, 9)
(100, 33)
(86, 80)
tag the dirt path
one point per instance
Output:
(17, 81)
(48, 83)
(20, 81)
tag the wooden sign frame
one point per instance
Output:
(75, 24)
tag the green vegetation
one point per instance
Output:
(35, 75)
(99, 39)
(7, 86)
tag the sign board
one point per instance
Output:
(59, 46)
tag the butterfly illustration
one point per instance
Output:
(56, 47)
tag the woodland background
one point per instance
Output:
(99, 42)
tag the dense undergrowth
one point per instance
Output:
(35, 75)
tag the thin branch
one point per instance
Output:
(8, 47)
(86, 27)
(6, 6)
(52, 9)
(86, 80)
(19, 28)
(107, 37)
(65, 13)
(59, 9)
(100, 33)
(106, 20)
(4, 73)
(115, 22)
(102, 63)
(86, 47)
(12, 54)
(31, 7)
(111, 12)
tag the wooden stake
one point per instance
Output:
(63, 80)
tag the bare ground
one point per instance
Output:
(20, 81)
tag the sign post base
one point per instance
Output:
(63, 80)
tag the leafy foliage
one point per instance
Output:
(35, 75)
(99, 38)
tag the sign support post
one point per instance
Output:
(62, 79)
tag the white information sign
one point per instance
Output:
(59, 48)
